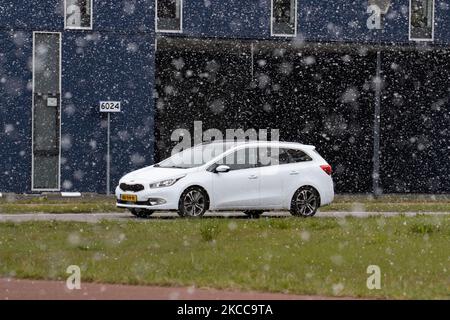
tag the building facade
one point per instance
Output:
(365, 81)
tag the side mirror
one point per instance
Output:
(222, 169)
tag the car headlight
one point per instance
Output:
(165, 183)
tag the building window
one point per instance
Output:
(169, 15)
(421, 20)
(78, 14)
(46, 112)
(284, 18)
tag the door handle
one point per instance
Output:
(252, 177)
(293, 173)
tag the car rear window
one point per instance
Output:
(277, 156)
(298, 156)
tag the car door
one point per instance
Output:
(273, 171)
(239, 187)
(295, 170)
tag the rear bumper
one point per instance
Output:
(327, 194)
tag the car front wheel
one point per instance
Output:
(193, 203)
(305, 202)
(142, 213)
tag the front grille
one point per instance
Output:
(139, 203)
(131, 187)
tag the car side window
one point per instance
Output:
(279, 156)
(284, 157)
(298, 156)
(271, 156)
(241, 159)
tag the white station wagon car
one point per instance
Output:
(248, 176)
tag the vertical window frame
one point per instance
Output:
(432, 25)
(272, 20)
(33, 188)
(181, 19)
(91, 25)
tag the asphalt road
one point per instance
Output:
(96, 217)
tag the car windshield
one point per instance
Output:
(196, 156)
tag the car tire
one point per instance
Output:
(142, 213)
(254, 214)
(305, 202)
(193, 203)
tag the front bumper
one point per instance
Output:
(153, 199)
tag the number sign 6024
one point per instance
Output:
(110, 106)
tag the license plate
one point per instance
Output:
(128, 197)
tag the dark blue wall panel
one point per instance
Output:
(15, 111)
(318, 20)
(115, 61)
(48, 15)
(109, 67)
(442, 22)
(343, 20)
(121, 15)
(231, 18)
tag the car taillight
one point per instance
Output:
(327, 169)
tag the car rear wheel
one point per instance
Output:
(254, 214)
(193, 203)
(305, 202)
(142, 213)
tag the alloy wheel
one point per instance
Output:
(194, 203)
(305, 202)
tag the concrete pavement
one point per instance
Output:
(96, 217)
